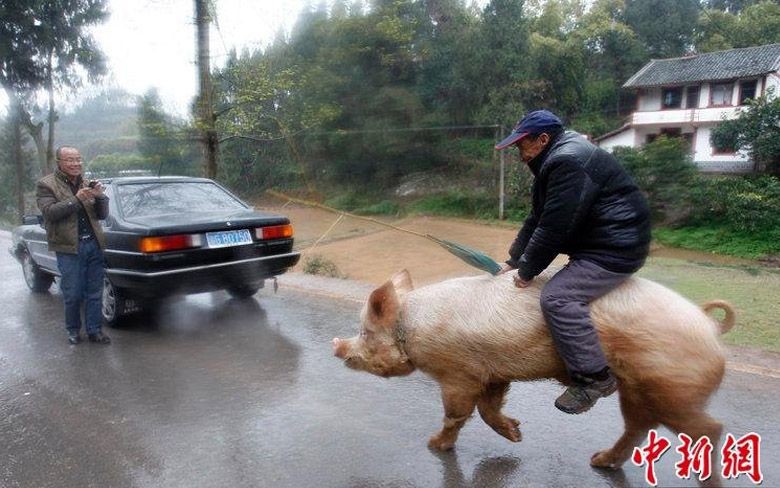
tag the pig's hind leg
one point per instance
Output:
(489, 405)
(639, 418)
(459, 401)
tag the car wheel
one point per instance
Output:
(37, 280)
(113, 303)
(243, 291)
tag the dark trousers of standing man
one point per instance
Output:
(565, 303)
(82, 282)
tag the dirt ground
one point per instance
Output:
(371, 253)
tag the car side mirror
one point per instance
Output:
(32, 220)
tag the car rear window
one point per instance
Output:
(150, 199)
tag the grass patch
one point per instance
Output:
(385, 207)
(456, 204)
(753, 293)
(721, 240)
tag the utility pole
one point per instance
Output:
(205, 108)
(501, 179)
(16, 135)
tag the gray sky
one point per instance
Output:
(151, 43)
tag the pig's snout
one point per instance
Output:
(339, 348)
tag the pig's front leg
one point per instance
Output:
(489, 405)
(459, 402)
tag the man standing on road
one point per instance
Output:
(71, 209)
(586, 206)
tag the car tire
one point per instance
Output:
(37, 280)
(113, 304)
(243, 291)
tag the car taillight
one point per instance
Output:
(274, 232)
(169, 243)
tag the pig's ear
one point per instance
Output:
(402, 281)
(383, 306)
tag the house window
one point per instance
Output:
(671, 97)
(723, 151)
(747, 91)
(720, 94)
(692, 97)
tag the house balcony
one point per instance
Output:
(678, 117)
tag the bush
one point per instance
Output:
(744, 203)
(756, 130)
(722, 239)
(348, 201)
(664, 171)
(322, 266)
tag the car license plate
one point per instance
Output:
(228, 238)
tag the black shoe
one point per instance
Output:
(74, 338)
(582, 395)
(100, 338)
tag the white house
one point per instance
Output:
(688, 96)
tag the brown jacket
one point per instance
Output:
(60, 206)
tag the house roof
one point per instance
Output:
(715, 66)
(611, 133)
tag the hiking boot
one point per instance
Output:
(584, 393)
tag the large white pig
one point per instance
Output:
(475, 335)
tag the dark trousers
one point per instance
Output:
(565, 303)
(81, 281)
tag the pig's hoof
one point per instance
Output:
(604, 459)
(440, 444)
(510, 429)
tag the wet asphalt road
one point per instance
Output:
(213, 392)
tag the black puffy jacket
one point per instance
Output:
(584, 205)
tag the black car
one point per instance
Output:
(170, 235)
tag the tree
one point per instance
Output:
(67, 49)
(505, 44)
(47, 44)
(664, 26)
(21, 72)
(756, 130)
(731, 6)
(752, 26)
(612, 53)
(21, 67)
(163, 140)
(451, 63)
(15, 174)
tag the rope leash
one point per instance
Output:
(343, 213)
(470, 256)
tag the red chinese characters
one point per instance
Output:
(739, 456)
(656, 447)
(742, 456)
(694, 457)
